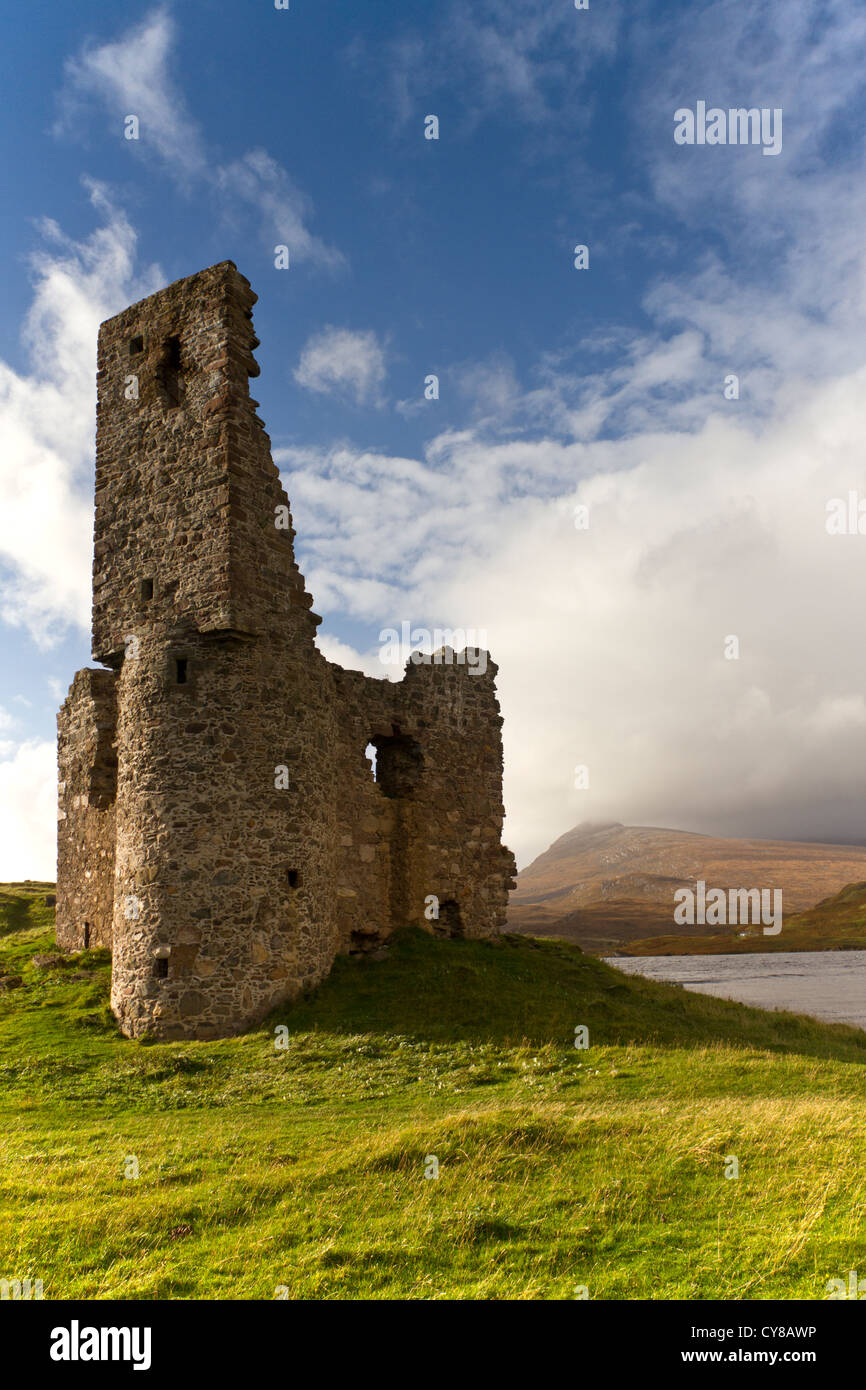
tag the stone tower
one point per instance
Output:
(220, 828)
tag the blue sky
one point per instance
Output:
(558, 387)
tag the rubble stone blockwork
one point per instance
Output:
(220, 828)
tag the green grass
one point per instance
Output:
(22, 905)
(304, 1167)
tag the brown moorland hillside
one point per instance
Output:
(835, 924)
(605, 884)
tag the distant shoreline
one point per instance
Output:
(712, 946)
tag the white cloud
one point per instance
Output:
(491, 386)
(522, 53)
(528, 61)
(610, 641)
(782, 288)
(341, 362)
(259, 181)
(28, 811)
(132, 76)
(351, 660)
(47, 423)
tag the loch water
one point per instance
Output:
(830, 985)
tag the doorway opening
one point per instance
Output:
(450, 921)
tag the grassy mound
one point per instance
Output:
(239, 1168)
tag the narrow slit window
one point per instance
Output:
(87, 936)
(294, 878)
(160, 968)
(181, 670)
(169, 373)
(146, 590)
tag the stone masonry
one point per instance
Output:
(220, 827)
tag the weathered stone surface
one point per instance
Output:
(222, 885)
(87, 770)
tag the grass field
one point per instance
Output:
(303, 1169)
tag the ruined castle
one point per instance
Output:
(221, 828)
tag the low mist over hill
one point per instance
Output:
(601, 884)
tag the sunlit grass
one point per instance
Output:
(304, 1169)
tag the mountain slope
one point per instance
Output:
(602, 884)
(835, 924)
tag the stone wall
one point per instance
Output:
(433, 827)
(231, 877)
(248, 841)
(87, 780)
(184, 537)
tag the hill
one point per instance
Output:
(604, 885)
(236, 1169)
(836, 924)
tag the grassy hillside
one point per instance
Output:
(304, 1168)
(26, 905)
(601, 885)
(836, 924)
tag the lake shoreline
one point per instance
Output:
(724, 946)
